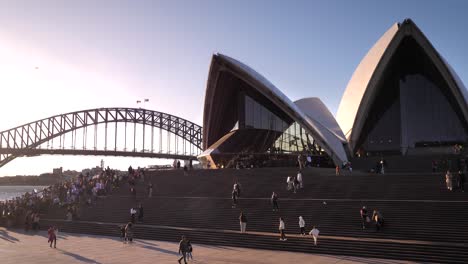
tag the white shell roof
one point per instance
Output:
(357, 86)
(324, 135)
(355, 98)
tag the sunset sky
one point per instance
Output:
(63, 56)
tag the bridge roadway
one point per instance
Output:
(88, 152)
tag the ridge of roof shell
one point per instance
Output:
(317, 110)
(363, 83)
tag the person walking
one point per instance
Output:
(448, 180)
(52, 233)
(337, 170)
(462, 180)
(281, 228)
(183, 248)
(129, 232)
(189, 250)
(122, 233)
(315, 234)
(302, 225)
(243, 222)
(364, 217)
(140, 213)
(274, 201)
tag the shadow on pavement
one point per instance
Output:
(5, 236)
(78, 257)
(165, 251)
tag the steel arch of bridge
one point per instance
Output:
(24, 140)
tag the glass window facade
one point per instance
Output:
(259, 117)
(292, 137)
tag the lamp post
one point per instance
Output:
(146, 100)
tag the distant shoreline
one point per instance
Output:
(29, 181)
(27, 184)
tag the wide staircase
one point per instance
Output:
(423, 221)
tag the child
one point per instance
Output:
(315, 234)
(122, 233)
(52, 236)
(189, 251)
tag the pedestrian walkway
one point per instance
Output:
(19, 247)
(362, 239)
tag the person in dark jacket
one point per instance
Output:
(243, 222)
(364, 217)
(461, 178)
(140, 213)
(183, 249)
(274, 201)
(234, 199)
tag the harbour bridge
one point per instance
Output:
(131, 132)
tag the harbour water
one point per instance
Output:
(9, 192)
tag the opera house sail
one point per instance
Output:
(248, 120)
(403, 98)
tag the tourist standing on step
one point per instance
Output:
(302, 225)
(315, 234)
(295, 184)
(282, 227)
(299, 179)
(274, 201)
(183, 248)
(234, 198)
(140, 213)
(243, 222)
(378, 220)
(35, 223)
(289, 181)
(448, 180)
(364, 217)
(132, 214)
(237, 188)
(150, 190)
(462, 180)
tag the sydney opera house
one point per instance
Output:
(403, 99)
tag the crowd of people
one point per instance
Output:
(376, 218)
(456, 180)
(70, 194)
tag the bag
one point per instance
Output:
(368, 219)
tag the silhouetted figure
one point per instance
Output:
(183, 249)
(140, 213)
(274, 201)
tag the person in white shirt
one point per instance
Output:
(289, 181)
(299, 179)
(315, 234)
(132, 214)
(302, 225)
(281, 229)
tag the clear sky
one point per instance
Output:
(111, 53)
